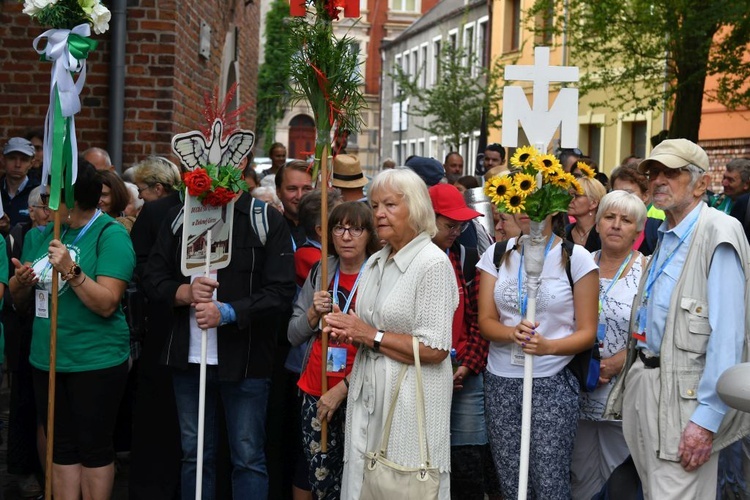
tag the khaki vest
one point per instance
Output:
(686, 335)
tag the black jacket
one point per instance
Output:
(258, 284)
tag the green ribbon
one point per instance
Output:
(62, 158)
(80, 46)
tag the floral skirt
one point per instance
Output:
(324, 469)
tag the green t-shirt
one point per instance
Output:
(4, 281)
(85, 340)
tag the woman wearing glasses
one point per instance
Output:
(408, 291)
(156, 178)
(583, 207)
(352, 230)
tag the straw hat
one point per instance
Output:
(347, 173)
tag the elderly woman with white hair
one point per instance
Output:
(407, 291)
(600, 445)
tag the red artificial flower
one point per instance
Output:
(219, 197)
(332, 8)
(197, 182)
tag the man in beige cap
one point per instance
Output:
(348, 177)
(689, 324)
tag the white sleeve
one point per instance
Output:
(581, 263)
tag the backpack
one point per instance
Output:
(585, 365)
(469, 258)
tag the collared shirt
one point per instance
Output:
(17, 206)
(726, 313)
(722, 202)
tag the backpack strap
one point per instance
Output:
(259, 219)
(746, 222)
(567, 247)
(500, 248)
(469, 259)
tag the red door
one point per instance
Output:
(301, 137)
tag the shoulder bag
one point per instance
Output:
(386, 480)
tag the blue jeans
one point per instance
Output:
(245, 409)
(467, 413)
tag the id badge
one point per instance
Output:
(517, 356)
(601, 332)
(336, 363)
(642, 320)
(42, 303)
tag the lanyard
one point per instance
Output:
(521, 295)
(83, 231)
(294, 244)
(651, 278)
(352, 292)
(624, 264)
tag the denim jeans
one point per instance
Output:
(245, 409)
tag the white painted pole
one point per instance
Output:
(202, 389)
(533, 263)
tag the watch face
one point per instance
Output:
(77, 270)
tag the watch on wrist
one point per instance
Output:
(74, 272)
(377, 340)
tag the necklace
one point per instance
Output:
(581, 236)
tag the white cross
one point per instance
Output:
(540, 122)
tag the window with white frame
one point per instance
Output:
(396, 65)
(355, 49)
(407, 63)
(436, 59)
(420, 147)
(453, 39)
(423, 65)
(468, 43)
(433, 147)
(405, 5)
(414, 62)
(482, 42)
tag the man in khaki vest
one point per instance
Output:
(689, 324)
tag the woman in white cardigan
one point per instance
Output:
(407, 290)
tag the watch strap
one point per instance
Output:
(377, 340)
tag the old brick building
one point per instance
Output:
(165, 72)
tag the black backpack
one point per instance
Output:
(584, 365)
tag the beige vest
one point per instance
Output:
(686, 335)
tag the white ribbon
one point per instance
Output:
(69, 90)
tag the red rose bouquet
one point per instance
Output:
(214, 185)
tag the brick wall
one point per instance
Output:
(165, 81)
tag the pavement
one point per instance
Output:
(8, 484)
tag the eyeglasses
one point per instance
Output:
(45, 208)
(456, 227)
(354, 231)
(574, 151)
(141, 190)
(669, 173)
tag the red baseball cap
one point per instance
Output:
(448, 201)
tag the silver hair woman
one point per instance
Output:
(600, 445)
(407, 290)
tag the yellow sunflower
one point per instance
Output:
(514, 202)
(553, 174)
(496, 187)
(524, 183)
(575, 185)
(559, 178)
(523, 157)
(585, 170)
(545, 163)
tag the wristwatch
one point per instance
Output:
(377, 340)
(75, 271)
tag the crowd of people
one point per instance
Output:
(412, 326)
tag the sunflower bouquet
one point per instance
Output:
(537, 185)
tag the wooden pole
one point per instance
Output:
(324, 285)
(52, 367)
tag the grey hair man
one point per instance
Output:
(735, 181)
(690, 323)
(99, 158)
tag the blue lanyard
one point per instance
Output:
(83, 231)
(352, 292)
(651, 278)
(521, 295)
(624, 264)
(294, 244)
